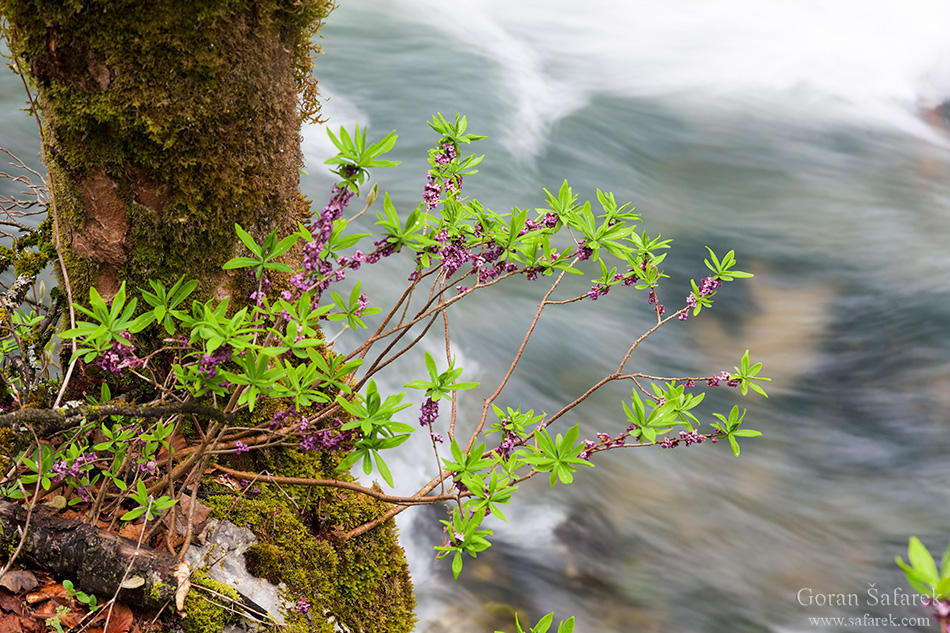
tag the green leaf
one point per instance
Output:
(132, 514)
(248, 241)
(922, 561)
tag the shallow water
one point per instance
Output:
(798, 133)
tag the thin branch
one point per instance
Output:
(514, 362)
(415, 500)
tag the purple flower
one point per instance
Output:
(691, 437)
(431, 192)
(447, 155)
(119, 357)
(709, 286)
(302, 605)
(941, 608)
(240, 447)
(598, 290)
(585, 454)
(361, 304)
(715, 380)
(209, 362)
(453, 185)
(327, 439)
(507, 445)
(430, 412)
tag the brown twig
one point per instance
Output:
(416, 500)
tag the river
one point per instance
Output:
(806, 136)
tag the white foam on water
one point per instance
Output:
(875, 61)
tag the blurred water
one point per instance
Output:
(800, 133)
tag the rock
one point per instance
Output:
(222, 558)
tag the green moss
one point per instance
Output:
(362, 582)
(205, 613)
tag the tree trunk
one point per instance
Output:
(164, 124)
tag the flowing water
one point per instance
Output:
(807, 136)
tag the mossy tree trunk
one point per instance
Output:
(164, 124)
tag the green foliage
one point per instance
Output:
(263, 255)
(453, 132)
(922, 573)
(164, 303)
(440, 385)
(567, 626)
(373, 417)
(465, 537)
(729, 427)
(110, 324)
(87, 599)
(469, 465)
(747, 374)
(559, 456)
(264, 363)
(147, 505)
(356, 157)
(722, 269)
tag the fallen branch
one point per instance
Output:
(96, 560)
(49, 421)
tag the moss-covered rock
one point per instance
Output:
(205, 613)
(362, 582)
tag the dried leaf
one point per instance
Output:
(183, 576)
(11, 624)
(120, 621)
(132, 531)
(20, 580)
(178, 444)
(11, 603)
(54, 590)
(225, 480)
(68, 618)
(73, 514)
(183, 509)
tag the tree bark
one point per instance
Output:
(164, 123)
